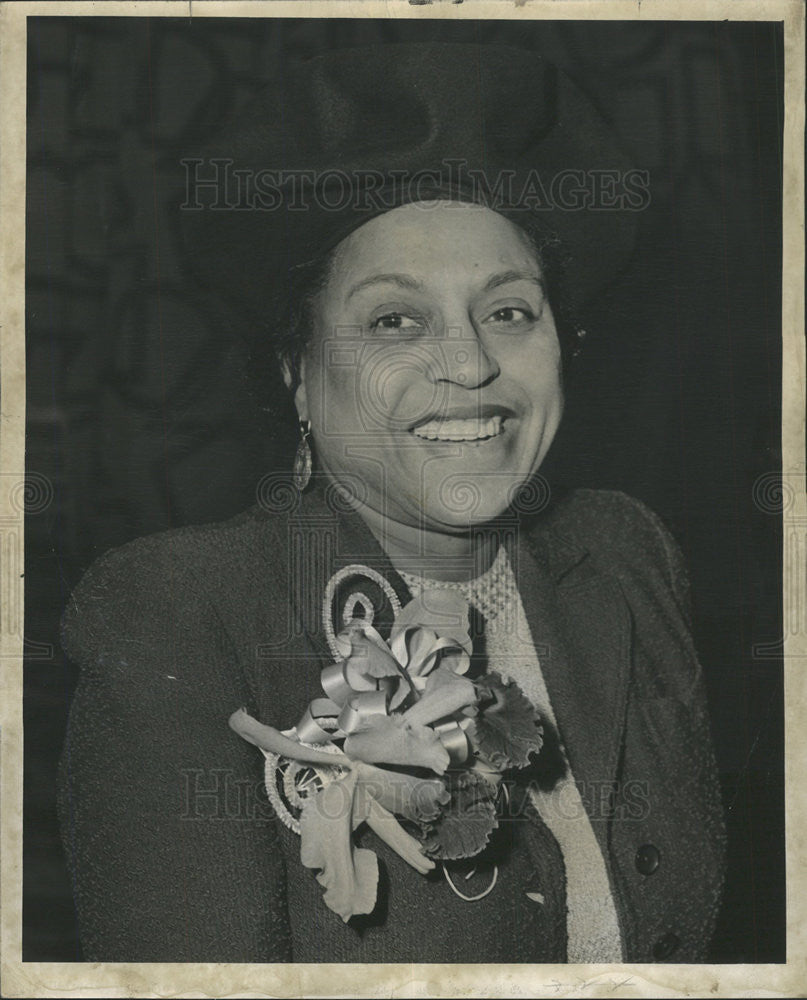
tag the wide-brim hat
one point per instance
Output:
(342, 137)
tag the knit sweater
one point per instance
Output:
(174, 852)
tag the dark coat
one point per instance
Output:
(174, 853)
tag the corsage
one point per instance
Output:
(402, 741)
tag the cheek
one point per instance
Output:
(393, 376)
(538, 376)
(330, 391)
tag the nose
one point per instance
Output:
(463, 359)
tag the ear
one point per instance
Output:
(300, 397)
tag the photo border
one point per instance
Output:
(45, 979)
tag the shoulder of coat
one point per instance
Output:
(609, 522)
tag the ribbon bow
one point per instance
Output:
(419, 673)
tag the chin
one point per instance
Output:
(472, 496)
(467, 506)
(461, 526)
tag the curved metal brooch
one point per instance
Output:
(356, 599)
(289, 782)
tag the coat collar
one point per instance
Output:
(577, 614)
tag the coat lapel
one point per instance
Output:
(328, 537)
(580, 623)
(302, 549)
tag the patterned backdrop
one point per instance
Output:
(140, 418)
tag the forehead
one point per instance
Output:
(431, 239)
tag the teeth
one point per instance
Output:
(460, 430)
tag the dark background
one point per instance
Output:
(139, 419)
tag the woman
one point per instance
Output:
(423, 340)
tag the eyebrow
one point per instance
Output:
(409, 283)
(506, 277)
(401, 280)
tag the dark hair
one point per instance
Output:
(285, 336)
(292, 322)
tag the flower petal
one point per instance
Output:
(348, 874)
(506, 729)
(407, 795)
(456, 660)
(389, 739)
(443, 611)
(387, 827)
(465, 824)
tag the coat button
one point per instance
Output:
(648, 858)
(665, 946)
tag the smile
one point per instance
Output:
(471, 429)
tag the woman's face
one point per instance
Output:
(433, 381)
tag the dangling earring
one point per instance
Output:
(302, 459)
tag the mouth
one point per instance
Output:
(462, 429)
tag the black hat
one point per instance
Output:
(345, 136)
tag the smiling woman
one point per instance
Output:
(480, 711)
(457, 377)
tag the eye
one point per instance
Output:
(396, 321)
(511, 315)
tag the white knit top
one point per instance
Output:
(592, 927)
